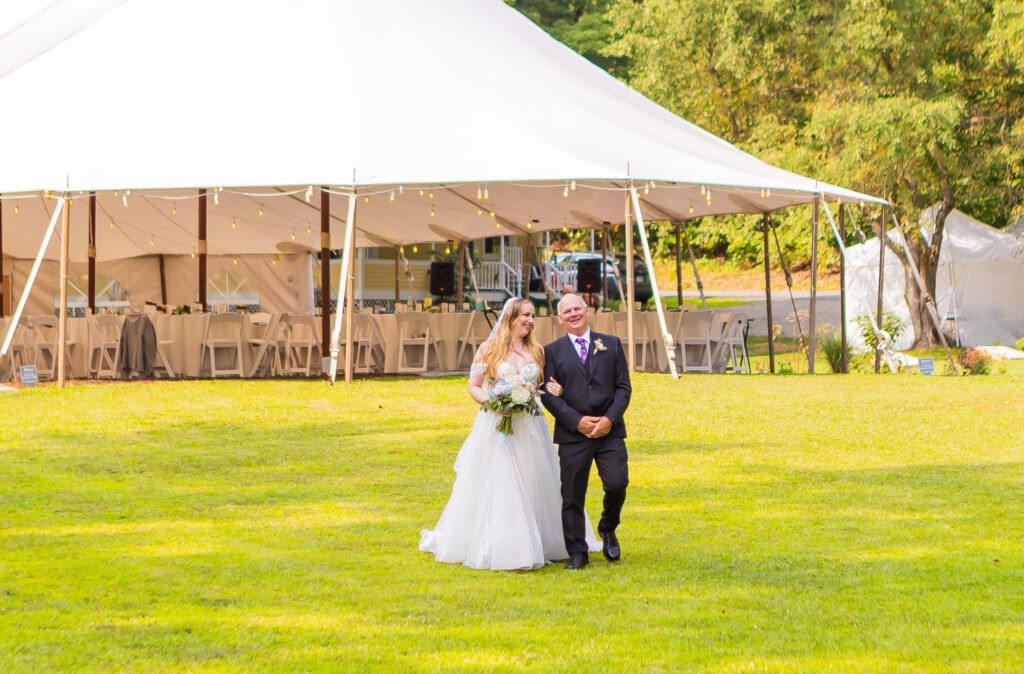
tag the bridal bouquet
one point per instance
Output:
(512, 394)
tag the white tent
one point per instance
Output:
(979, 284)
(462, 114)
(466, 99)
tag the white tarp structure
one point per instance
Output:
(979, 285)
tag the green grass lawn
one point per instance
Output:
(785, 524)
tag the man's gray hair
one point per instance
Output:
(567, 296)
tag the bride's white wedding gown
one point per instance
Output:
(505, 511)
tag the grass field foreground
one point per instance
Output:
(785, 524)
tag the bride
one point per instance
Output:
(505, 511)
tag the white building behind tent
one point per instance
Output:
(979, 285)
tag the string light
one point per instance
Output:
(486, 196)
(392, 197)
(767, 192)
(431, 195)
(415, 249)
(192, 254)
(401, 190)
(431, 211)
(48, 194)
(366, 200)
(447, 250)
(174, 210)
(260, 212)
(293, 236)
(309, 194)
(492, 213)
(233, 223)
(234, 260)
(17, 208)
(691, 210)
(111, 224)
(421, 193)
(216, 198)
(309, 229)
(274, 261)
(565, 190)
(151, 242)
(124, 199)
(652, 184)
(479, 211)
(479, 193)
(529, 225)
(572, 185)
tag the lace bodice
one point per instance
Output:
(530, 372)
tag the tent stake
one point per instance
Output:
(62, 318)
(768, 296)
(670, 348)
(31, 278)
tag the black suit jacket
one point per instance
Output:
(600, 387)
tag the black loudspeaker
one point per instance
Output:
(588, 276)
(442, 279)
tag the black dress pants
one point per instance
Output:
(575, 459)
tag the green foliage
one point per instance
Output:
(832, 347)
(974, 361)
(1020, 344)
(891, 325)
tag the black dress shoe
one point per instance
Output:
(611, 546)
(578, 560)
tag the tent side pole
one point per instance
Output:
(202, 250)
(92, 254)
(31, 278)
(62, 318)
(630, 294)
(670, 348)
(526, 266)
(342, 278)
(813, 309)
(768, 296)
(1, 258)
(842, 288)
(349, 308)
(163, 282)
(398, 255)
(325, 267)
(881, 289)
(460, 289)
(679, 267)
(696, 272)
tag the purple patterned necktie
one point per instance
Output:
(583, 348)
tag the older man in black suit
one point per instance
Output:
(591, 373)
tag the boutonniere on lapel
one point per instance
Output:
(599, 346)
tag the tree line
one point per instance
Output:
(917, 101)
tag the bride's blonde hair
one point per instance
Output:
(498, 348)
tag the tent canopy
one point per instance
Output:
(466, 100)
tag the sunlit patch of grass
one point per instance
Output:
(853, 523)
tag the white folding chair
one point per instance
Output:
(224, 335)
(734, 340)
(104, 346)
(720, 324)
(414, 332)
(162, 362)
(694, 331)
(476, 333)
(302, 340)
(45, 351)
(265, 360)
(643, 340)
(369, 345)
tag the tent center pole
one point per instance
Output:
(202, 251)
(325, 267)
(342, 278)
(768, 295)
(92, 254)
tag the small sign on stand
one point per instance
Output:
(29, 375)
(925, 365)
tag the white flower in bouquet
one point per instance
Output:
(520, 395)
